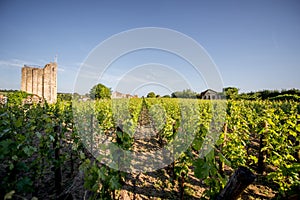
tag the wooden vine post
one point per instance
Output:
(181, 183)
(262, 154)
(221, 164)
(237, 183)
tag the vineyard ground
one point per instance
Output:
(160, 184)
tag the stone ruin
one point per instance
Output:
(41, 81)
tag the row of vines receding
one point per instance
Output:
(50, 151)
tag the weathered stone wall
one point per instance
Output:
(29, 80)
(24, 79)
(34, 80)
(41, 81)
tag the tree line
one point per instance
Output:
(100, 91)
(291, 94)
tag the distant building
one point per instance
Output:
(117, 95)
(84, 99)
(210, 94)
(41, 81)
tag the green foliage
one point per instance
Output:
(16, 97)
(151, 95)
(188, 93)
(249, 96)
(231, 92)
(283, 95)
(206, 169)
(100, 180)
(286, 97)
(100, 91)
(235, 150)
(106, 116)
(64, 96)
(27, 131)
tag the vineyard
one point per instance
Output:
(152, 148)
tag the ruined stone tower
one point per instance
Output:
(41, 81)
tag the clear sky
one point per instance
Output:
(254, 44)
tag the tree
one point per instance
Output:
(100, 91)
(187, 93)
(76, 96)
(231, 92)
(64, 96)
(151, 95)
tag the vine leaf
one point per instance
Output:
(201, 168)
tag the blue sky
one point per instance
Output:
(254, 44)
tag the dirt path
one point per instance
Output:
(157, 184)
(160, 184)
